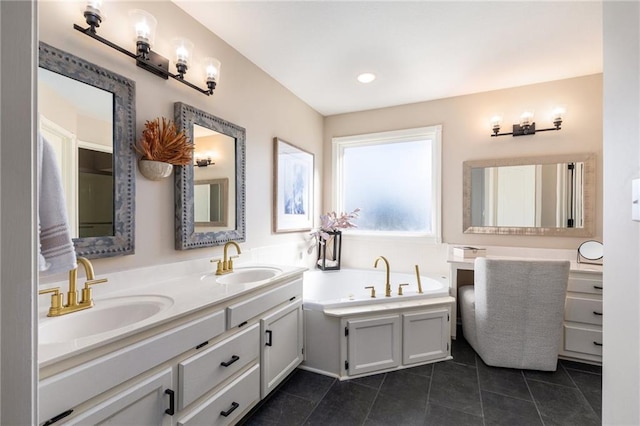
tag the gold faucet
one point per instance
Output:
(73, 305)
(387, 291)
(225, 266)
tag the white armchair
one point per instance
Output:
(513, 314)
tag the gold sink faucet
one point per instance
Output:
(387, 291)
(225, 266)
(73, 305)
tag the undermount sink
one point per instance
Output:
(246, 275)
(106, 315)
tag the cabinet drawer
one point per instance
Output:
(242, 393)
(585, 285)
(584, 340)
(204, 371)
(247, 309)
(66, 390)
(583, 310)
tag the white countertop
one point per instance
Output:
(189, 293)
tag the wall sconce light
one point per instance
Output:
(526, 126)
(145, 27)
(204, 162)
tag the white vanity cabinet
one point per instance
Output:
(395, 340)
(582, 329)
(281, 344)
(205, 368)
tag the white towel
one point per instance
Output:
(56, 248)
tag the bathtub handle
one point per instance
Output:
(270, 342)
(400, 288)
(373, 290)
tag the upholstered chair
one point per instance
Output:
(512, 315)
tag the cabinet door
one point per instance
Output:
(144, 403)
(425, 336)
(281, 343)
(373, 344)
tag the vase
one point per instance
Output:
(154, 170)
(329, 251)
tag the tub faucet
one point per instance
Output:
(225, 265)
(73, 305)
(387, 288)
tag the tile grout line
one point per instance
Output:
(475, 358)
(433, 373)
(319, 401)
(535, 404)
(581, 393)
(374, 399)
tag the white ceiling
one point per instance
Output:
(419, 50)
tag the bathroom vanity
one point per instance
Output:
(219, 346)
(582, 328)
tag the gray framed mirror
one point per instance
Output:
(219, 155)
(550, 195)
(88, 114)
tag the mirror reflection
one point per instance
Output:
(535, 196)
(211, 203)
(77, 119)
(214, 156)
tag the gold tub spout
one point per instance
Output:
(418, 278)
(387, 284)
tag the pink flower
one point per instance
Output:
(330, 222)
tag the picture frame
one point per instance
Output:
(293, 170)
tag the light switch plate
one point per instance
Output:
(635, 200)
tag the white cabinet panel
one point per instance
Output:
(579, 309)
(425, 336)
(247, 309)
(206, 370)
(144, 403)
(373, 344)
(226, 406)
(583, 340)
(281, 342)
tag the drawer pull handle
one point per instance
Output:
(233, 359)
(234, 405)
(172, 402)
(597, 313)
(270, 341)
(597, 344)
(597, 287)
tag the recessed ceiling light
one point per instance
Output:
(366, 77)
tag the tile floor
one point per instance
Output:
(464, 391)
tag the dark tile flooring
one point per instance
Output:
(463, 391)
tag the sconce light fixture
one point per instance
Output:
(204, 162)
(527, 126)
(145, 27)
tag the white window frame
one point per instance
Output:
(433, 133)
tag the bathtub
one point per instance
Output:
(346, 287)
(349, 334)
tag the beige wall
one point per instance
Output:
(245, 96)
(465, 136)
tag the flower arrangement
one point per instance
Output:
(162, 142)
(331, 222)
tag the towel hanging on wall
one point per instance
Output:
(56, 251)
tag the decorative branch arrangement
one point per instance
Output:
(162, 142)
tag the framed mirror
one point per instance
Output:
(551, 195)
(213, 187)
(87, 113)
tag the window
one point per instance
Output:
(394, 178)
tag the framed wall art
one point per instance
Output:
(293, 188)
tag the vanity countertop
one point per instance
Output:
(186, 294)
